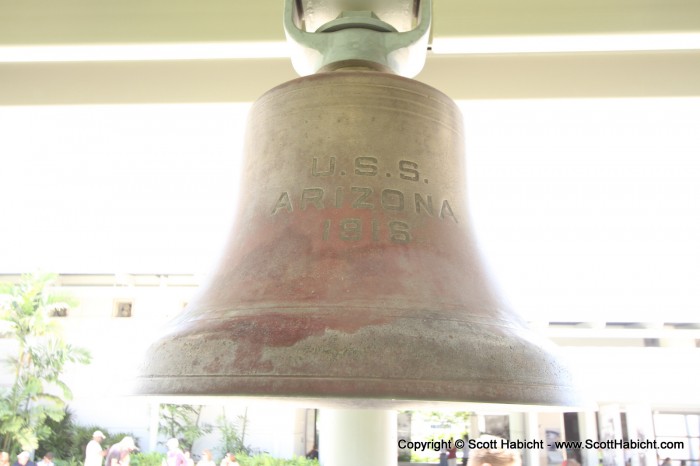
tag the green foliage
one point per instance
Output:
(182, 422)
(233, 434)
(427, 456)
(267, 460)
(37, 394)
(68, 462)
(448, 417)
(68, 441)
(60, 439)
(147, 459)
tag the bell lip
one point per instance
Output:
(580, 405)
(372, 393)
(556, 386)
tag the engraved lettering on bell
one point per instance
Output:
(360, 201)
(364, 197)
(315, 167)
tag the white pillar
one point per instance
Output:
(153, 426)
(588, 430)
(516, 426)
(531, 456)
(348, 437)
(610, 428)
(640, 427)
(474, 431)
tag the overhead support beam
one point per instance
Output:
(181, 51)
(80, 22)
(500, 76)
(489, 18)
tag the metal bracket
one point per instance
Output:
(358, 39)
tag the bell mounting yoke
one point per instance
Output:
(357, 39)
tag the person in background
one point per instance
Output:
(443, 456)
(206, 459)
(226, 461)
(175, 456)
(23, 460)
(313, 453)
(119, 454)
(4, 458)
(229, 460)
(465, 450)
(452, 453)
(93, 451)
(494, 457)
(188, 458)
(47, 460)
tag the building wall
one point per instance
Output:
(102, 390)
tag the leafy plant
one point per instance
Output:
(60, 439)
(37, 392)
(182, 422)
(147, 459)
(233, 434)
(267, 460)
(448, 417)
(68, 462)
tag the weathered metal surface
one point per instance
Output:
(351, 271)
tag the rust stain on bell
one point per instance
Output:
(351, 270)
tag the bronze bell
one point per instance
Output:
(352, 275)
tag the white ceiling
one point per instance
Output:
(584, 48)
(35, 22)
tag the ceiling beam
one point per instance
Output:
(80, 22)
(501, 76)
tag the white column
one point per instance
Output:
(349, 437)
(516, 426)
(640, 427)
(153, 426)
(474, 431)
(610, 427)
(588, 430)
(531, 456)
